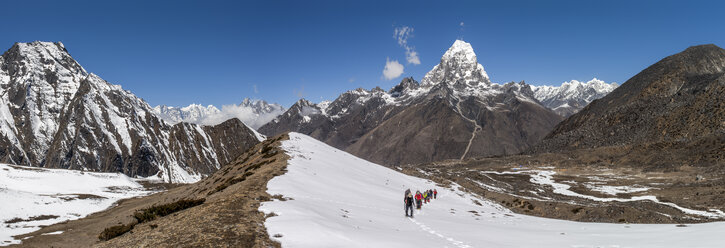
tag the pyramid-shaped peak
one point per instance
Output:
(458, 65)
(460, 50)
(460, 46)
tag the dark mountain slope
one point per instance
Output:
(676, 103)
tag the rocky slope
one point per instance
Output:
(254, 113)
(572, 96)
(454, 113)
(675, 104)
(54, 114)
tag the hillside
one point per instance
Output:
(674, 106)
(355, 203)
(220, 210)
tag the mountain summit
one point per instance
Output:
(458, 65)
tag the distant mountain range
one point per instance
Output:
(572, 96)
(54, 114)
(456, 112)
(254, 113)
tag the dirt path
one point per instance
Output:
(475, 129)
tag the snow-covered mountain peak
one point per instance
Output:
(573, 95)
(459, 65)
(460, 50)
(45, 53)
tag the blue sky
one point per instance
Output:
(218, 52)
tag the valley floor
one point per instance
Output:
(590, 185)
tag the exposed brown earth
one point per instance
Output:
(587, 171)
(228, 216)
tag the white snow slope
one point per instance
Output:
(339, 200)
(27, 192)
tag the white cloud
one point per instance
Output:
(412, 57)
(401, 34)
(462, 24)
(351, 80)
(255, 89)
(244, 113)
(392, 69)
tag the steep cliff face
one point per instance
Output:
(55, 114)
(455, 113)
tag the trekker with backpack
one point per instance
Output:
(435, 193)
(408, 200)
(418, 198)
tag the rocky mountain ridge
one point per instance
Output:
(455, 113)
(55, 114)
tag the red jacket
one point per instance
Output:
(418, 196)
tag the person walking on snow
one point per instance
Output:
(408, 200)
(418, 197)
(425, 196)
(435, 193)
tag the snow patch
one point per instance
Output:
(28, 192)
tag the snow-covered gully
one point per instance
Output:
(339, 200)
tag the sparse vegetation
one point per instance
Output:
(154, 212)
(34, 218)
(115, 231)
(231, 182)
(149, 214)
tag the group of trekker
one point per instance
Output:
(418, 199)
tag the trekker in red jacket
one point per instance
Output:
(435, 193)
(418, 199)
